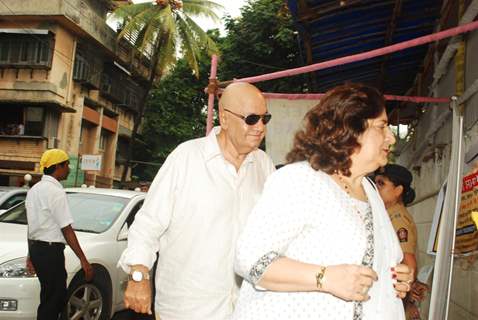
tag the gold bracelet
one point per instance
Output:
(319, 277)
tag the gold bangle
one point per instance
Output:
(319, 277)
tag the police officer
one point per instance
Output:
(49, 228)
(393, 182)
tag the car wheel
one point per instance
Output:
(87, 300)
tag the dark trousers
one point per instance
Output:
(49, 263)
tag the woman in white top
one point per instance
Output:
(319, 243)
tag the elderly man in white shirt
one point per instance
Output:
(194, 211)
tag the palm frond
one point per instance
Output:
(168, 38)
(167, 54)
(190, 48)
(130, 10)
(202, 8)
(159, 22)
(145, 24)
(203, 38)
(134, 23)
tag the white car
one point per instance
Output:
(102, 217)
(11, 196)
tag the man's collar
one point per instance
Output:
(212, 149)
(49, 178)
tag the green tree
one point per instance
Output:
(161, 29)
(262, 40)
(176, 112)
(264, 35)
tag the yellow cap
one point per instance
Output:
(474, 216)
(52, 157)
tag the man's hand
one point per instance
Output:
(72, 241)
(29, 266)
(403, 274)
(138, 296)
(88, 270)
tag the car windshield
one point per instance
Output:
(91, 212)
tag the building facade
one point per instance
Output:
(65, 82)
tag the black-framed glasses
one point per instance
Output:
(252, 119)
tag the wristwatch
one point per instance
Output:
(138, 276)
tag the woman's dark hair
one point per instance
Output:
(333, 126)
(49, 171)
(399, 176)
(408, 194)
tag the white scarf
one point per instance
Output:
(383, 303)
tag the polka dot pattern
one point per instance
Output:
(304, 215)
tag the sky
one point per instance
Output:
(231, 7)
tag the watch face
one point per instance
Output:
(137, 276)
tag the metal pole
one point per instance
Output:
(442, 277)
(210, 102)
(458, 111)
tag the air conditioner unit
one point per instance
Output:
(52, 142)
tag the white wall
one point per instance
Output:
(287, 116)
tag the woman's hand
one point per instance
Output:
(404, 278)
(349, 282)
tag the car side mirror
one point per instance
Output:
(123, 234)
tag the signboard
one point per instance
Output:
(466, 241)
(466, 234)
(91, 162)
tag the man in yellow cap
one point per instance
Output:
(49, 229)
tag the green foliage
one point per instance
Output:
(262, 41)
(176, 112)
(160, 28)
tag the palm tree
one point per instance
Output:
(161, 30)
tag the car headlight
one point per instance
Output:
(15, 269)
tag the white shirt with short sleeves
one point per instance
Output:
(193, 213)
(47, 210)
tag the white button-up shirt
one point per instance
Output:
(193, 213)
(47, 210)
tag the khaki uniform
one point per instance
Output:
(405, 227)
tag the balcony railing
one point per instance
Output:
(26, 51)
(86, 73)
(120, 88)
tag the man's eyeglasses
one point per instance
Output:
(252, 119)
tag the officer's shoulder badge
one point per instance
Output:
(402, 234)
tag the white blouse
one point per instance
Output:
(304, 215)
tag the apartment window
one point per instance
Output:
(103, 140)
(19, 120)
(106, 84)
(23, 50)
(81, 70)
(34, 121)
